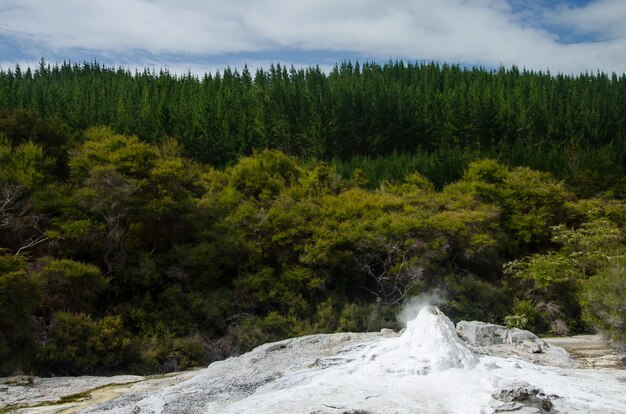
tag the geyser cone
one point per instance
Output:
(430, 339)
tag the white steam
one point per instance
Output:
(414, 305)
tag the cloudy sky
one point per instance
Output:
(569, 36)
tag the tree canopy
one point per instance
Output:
(151, 222)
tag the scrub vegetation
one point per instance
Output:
(150, 222)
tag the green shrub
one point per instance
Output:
(111, 343)
(516, 320)
(191, 351)
(604, 299)
(166, 353)
(420, 182)
(241, 337)
(471, 298)
(264, 174)
(352, 318)
(19, 298)
(525, 315)
(70, 286)
(326, 316)
(367, 317)
(65, 348)
(76, 344)
(488, 171)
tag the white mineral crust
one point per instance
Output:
(427, 369)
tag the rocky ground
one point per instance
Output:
(592, 351)
(270, 375)
(25, 394)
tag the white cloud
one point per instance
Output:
(606, 18)
(486, 32)
(154, 26)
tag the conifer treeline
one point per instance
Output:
(354, 109)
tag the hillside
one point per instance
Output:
(153, 222)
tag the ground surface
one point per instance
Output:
(110, 394)
(591, 351)
(73, 394)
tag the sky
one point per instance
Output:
(562, 36)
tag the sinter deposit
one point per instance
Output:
(427, 369)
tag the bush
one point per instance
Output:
(241, 338)
(167, 354)
(471, 298)
(352, 318)
(366, 318)
(19, 297)
(264, 174)
(488, 171)
(76, 345)
(516, 321)
(70, 286)
(191, 351)
(604, 300)
(110, 342)
(524, 316)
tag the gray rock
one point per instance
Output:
(490, 339)
(487, 334)
(521, 397)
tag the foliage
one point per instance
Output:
(19, 296)
(471, 298)
(517, 320)
(125, 251)
(530, 202)
(76, 344)
(265, 174)
(167, 354)
(388, 119)
(22, 170)
(584, 251)
(69, 286)
(604, 299)
(487, 171)
(581, 276)
(544, 269)
(24, 165)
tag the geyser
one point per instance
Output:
(429, 344)
(431, 337)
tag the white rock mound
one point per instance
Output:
(431, 336)
(428, 345)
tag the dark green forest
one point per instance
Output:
(151, 222)
(430, 116)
